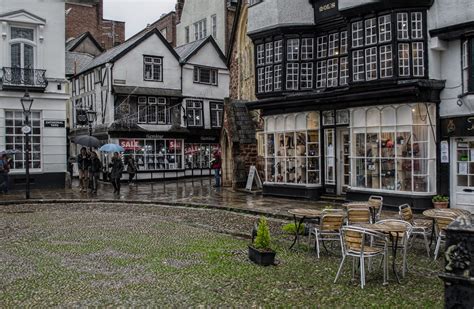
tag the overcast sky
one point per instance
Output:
(136, 13)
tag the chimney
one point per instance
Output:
(179, 10)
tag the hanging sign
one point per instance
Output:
(444, 152)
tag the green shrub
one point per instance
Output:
(290, 228)
(440, 198)
(262, 241)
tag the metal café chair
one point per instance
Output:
(329, 228)
(403, 239)
(420, 227)
(355, 244)
(441, 223)
(376, 202)
(357, 215)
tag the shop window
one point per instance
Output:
(217, 113)
(15, 139)
(154, 154)
(199, 156)
(194, 113)
(153, 68)
(393, 149)
(292, 154)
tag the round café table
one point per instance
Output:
(303, 214)
(393, 230)
(443, 212)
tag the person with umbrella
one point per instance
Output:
(4, 170)
(116, 172)
(83, 163)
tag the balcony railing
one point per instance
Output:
(13, 78)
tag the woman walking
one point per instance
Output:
(116, 172)
(94, 170)
(131, 169)
(216, 166)
(83, 163)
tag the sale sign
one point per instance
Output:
(130, 144)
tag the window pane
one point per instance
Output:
(293, 47)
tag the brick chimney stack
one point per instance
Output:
(179, 10)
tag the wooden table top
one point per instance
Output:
(303, 212)
(385, 227)
(448, 212)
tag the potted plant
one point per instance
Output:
(440, 201)
(260, 251)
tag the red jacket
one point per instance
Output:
(216, 162)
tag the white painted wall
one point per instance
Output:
(444, 13)
(196, 10)
(130, 66)
(271, 13)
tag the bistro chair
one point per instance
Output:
(376, 203)
(441, 223)
(403, 239)
(420, 227)
(329, 228)
(356, 215)
(355, 244)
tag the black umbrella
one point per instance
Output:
(86, 140)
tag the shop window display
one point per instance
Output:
(393, 148)
(199, 155)
(292, 149)
(154, 154)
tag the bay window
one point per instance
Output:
(292, 152)
(393, 148)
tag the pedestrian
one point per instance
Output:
(131, 169)
(216, 166)
(4, 170)
(83, 163)
(116, 172)
(94, 170)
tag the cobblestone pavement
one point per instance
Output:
(194, 192)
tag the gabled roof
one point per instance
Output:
(71, 45)
(22, 16)
(186, 51)
(121, 50)
(75, 62)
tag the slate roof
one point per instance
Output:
(76, 62)
(76, 41)
(118, 51)
(241, 123)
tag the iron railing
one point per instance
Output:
(24, 78)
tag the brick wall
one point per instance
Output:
(87, 15)
(167, 21)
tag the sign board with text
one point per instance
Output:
(253, 175)
(54, 124)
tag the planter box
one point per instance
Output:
(440, 204)
(264, 258)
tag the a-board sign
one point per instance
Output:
(253, 175)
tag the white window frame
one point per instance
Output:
(278, 50)
(343, 41)
(268, 78)
(307, 48)
(333, 49)
(357, 34)
(322, 47)
(344, 71)
(306, 75)
(217, 113)
(386, 61)
(385, 28)
(261, 54)
(371, 63)
(142, 110)
(404, 59)
(418, 59)
(416, 25)
(269, 53)
(292, 75)
(293, 49)
(277, 77)
(321, 74)
(214, 25)
(194, 108)
(332, 72)
(261, 79)
(370, 31)
(154, 63)
(402, 26)
(358, 65)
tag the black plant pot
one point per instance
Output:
(263, 258)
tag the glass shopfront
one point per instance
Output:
(154, 154)
(199, 155)
(292, 149)
(393, 148)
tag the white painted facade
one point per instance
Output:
(199, 10)
(45, 22)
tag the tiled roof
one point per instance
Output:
(75, 62)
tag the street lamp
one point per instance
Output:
(26, 103)
(91, 114)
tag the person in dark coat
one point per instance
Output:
(131, 169)
(4, 170)
(216, 166)
(94, 170)
(83, 163)
(116, 171)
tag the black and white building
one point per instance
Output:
(163, 105)
(352, 97)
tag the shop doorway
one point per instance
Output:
(462, 167)
(343, 160)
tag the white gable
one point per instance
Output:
(207, 55)
(22, 16)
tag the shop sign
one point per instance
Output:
(444, 152)
(129, 144)
(326, 9)
(457, 126)
(470, 120)
(54, 124)
(154, 136)
(208, 138)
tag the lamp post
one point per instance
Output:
(91, 115)
(26, 102)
